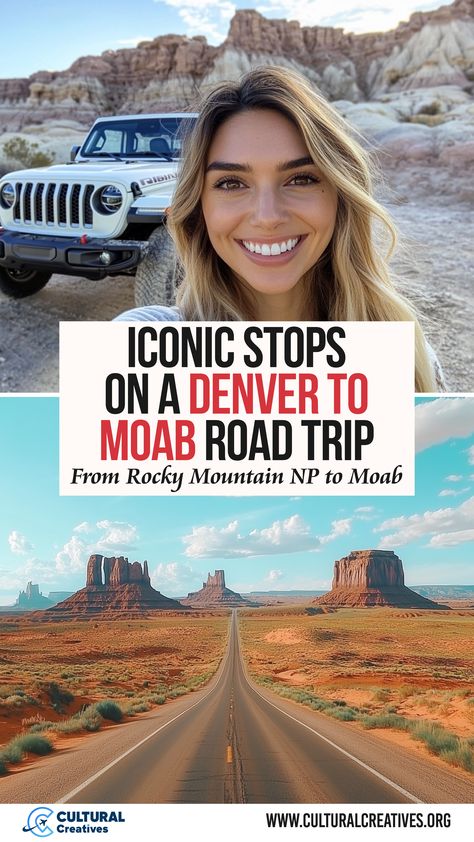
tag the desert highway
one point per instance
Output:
(234, 742)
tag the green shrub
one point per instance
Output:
(385, 720)
(109, 710)
(435, 737)
(12, 752)
(136, 707)
(156, 698)
(26, 153)
(31, 744)
(344, 714)
(91, 719)
(39, 727)
(59, 697)
(3, 768)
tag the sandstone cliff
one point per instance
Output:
(431, 49)
(372, 577)
(114, 587)
(215, 594)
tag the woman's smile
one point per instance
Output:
(269, 211)
(271, 251)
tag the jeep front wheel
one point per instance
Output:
(157, 274)
(18, 283)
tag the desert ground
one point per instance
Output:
(363, 664)
(53, 671)
(405, 674)
(435, 265)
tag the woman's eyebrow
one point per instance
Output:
(224, 165)
(286, 165)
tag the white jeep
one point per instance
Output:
(100, 214)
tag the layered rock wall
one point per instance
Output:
(369, 578)
(113, 572)
(114, 586)
(368, 569)
(215, 594)
(430, 49)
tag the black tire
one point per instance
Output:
(158, 273)
(18, 283)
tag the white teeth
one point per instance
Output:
(274, 249)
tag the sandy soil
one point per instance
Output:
(440, 282)
(377, 660)
(123, 660)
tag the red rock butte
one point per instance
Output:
(372, 577)
(214, 594)
(113, 586)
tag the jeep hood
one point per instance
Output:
(101, 171)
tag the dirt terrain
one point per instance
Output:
(440, 281)
(378, 661)
(130, 662)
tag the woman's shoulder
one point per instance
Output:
(153, 313)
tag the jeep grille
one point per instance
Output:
(65, 205)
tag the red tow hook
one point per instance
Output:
(83, 239)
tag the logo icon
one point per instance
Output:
(37, 822)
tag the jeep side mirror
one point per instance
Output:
(73, 153)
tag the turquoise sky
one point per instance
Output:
(50, 35)
(262, 543)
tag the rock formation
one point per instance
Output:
(431, 49)
(214, 594)
(113, 586)
(31, 599)
(372, 577)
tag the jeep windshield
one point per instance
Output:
(150, 137)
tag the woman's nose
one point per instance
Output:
(268, 209)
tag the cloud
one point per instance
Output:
(204, 18)
(454, 478)
(452, 539)
(438, 524)
(19, 544)
(117, 536)
(73, 556)
(452, 492)
(292, 535)
(339, 527)
(176, 578)
(84, 527)
(274, 576)
(470, 455)
(365, 509)
(366, 16)
(442, 419)
(106, 536)
(33, 570)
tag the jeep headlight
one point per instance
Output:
(7, 195)
(109, 199)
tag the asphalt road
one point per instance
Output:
(234, 742)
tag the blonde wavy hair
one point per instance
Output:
(351, 281)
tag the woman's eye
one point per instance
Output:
(304, 178)
(228, 184)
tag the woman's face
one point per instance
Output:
(269, 211)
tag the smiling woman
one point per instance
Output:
(273, 216)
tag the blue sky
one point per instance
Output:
(262, 543)
(50, 35)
